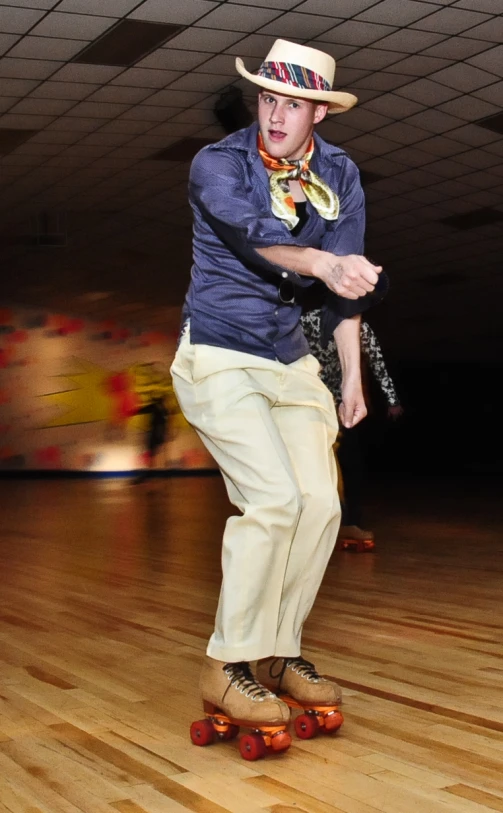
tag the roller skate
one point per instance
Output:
(299, 685)
(354, 539)
(233, 698)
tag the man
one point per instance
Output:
(349, 452)
(274, 210)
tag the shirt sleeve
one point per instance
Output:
(372, 350)
(346, 236)
(217, 187)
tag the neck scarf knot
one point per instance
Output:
(316, 191)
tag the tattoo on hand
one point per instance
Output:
(337, 272)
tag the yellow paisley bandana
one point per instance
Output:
(316, 191)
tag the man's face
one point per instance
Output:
(287, 124)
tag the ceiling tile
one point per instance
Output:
(145, 78)
(257, 45)
(100, 110)
(225, 64)
(173, 59)
(402, 133)
(18, 20)
(6, 102)
(490, 60)
(73, 26)
(24, 122)
(201, 82)
(395, 12)
(292, 24)
(334, 49)
(183, 13)
(394, 106)
(456, 48)
(336, 132)
(487, 6)
(110, 139)
(175, 129)
(48, 136)
(95, 74)
(427, 92)
(123, 126)
(84, 125)
(482, 180)
(176, 98)
(17, 87)
(284, 5)
(146, 112)
(448, 168)
(464, 77)
(44, 4)
(492, 30)
(382, 81)
(479, 159)
(7, 41)
(418, 65)
(120, 95)
(441, 146)
(373, 144)
(410, 41)
(475, 136)
(46, 48)
(63, 90)
(342, 8)
(450, 21)
(493, 94)
(232, 17)
(410, 156)
(195, 115)
(205, 39)
(27, 68)
(469, 107)
(357, 33)
(364, 120)
(434, 120)
(112, 8)
(43, 107)
(370, 59)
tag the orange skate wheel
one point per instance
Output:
(252, 747)
(306, 726)
(281, 741)
(334, 721)
(202, 732)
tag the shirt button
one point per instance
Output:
(276, 312)
(284, 275)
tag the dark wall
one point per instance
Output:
(452, 421)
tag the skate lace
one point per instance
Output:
(301, 667)
(242, 679)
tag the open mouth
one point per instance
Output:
(276, 135)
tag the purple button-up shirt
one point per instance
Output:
(234, 296)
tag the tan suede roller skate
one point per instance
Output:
(232, 697)
(299, 685)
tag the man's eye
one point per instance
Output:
(294, 105)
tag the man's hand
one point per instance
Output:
(395, 412)
(351, 276)
(352, 409)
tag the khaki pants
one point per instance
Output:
(270, 427)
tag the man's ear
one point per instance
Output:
(320, 113)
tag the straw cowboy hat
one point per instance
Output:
(302, 72)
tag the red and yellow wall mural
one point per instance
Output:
(70, 391)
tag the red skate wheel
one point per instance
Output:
(306, 726)
(252, 747)
(334, 721)
(281, 741)
(231, 732)
(202, 732)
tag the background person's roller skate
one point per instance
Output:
(355, 539)
(233, 698)
(299, 685)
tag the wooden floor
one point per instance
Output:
(108, 595)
